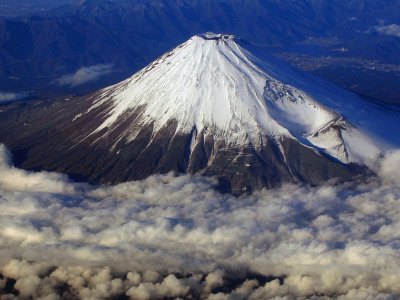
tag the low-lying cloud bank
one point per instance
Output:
(84, 75)
(174, 237)
(393, 30)
(8, 97)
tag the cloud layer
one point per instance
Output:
(175, 237)
(84, 75)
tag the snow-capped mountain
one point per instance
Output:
(215, 106)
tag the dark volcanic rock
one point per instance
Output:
(45, 136)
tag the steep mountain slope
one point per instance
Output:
(214, 106)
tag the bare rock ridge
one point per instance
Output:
(213, 106)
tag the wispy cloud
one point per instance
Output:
(392, 29)
(84, 75)
(7, 96)
(133, 239)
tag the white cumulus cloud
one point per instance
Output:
(393, 29)
(175, 237)
(8, 96)
(84, 75)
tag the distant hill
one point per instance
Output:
(15, 8)
(37, 50)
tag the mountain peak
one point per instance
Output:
(213, 83)
(215, 106)
(202, 83)
(216, 36)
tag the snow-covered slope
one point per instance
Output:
(212, 83)
(215, 106)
